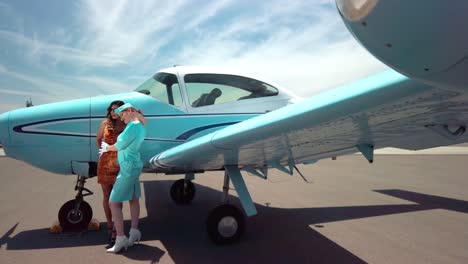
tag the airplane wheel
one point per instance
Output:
(71, 219)
(225, 224)
(181, 194)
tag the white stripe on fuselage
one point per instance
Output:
(34, 128)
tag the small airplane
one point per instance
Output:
(202, 119)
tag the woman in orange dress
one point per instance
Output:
(108, 167)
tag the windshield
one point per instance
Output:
(164, 87)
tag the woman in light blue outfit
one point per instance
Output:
(127, 185)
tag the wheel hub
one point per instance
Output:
(227, 226)
(74, 216)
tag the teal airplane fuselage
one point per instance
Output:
(58, 136)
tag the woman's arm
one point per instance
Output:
(141, 118)
(100, 133)
(124, 139)
(121, 144)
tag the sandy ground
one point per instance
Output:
(401, 209)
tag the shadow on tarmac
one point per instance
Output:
(275, 235)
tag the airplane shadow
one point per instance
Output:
(275, 235)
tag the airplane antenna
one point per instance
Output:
(304, 178)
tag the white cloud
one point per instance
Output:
(43, 88)
(14, 92)
(302, 45)
(37, 48)
(28, 78)
(318, 56)
(204, 13)
(123, 28)
(105, 85)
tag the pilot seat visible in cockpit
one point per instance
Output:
(207, 98)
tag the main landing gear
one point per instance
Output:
(226, 223)
(76, 214)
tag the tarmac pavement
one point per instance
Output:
(401, 209)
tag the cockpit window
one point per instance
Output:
(164, 87)
(208, 89)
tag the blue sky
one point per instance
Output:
(55, 50)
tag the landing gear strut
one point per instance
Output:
(226, 223)
(76, 214)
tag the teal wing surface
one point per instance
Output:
(384, 110)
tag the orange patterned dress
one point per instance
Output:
(108, 167)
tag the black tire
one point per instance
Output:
(71, 221)
(230, 214)
(180, 194)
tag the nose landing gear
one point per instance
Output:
(76, 214)
(182, 191)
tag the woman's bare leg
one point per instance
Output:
(135, 211)
(106, 190)
(117, 214)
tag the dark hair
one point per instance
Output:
(109, 110)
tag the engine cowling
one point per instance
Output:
(423, 39)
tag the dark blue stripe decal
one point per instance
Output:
(207, 114)
(194, 131)
(56, 134)
(19, 128)
(164, 140)
(183, 137)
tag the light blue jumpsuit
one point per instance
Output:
(128, 155)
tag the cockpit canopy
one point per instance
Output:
(201, 90)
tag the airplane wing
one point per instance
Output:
(384, 110)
